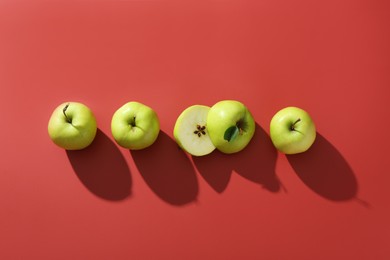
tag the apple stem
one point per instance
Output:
(240, 126)
(133, 122)
(64, 111)
(293, 125)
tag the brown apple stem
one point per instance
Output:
(132, 123)
(293, 125)
(64, 111)
(240, 125)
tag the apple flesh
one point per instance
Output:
(230, 125)
(72, 126)
(292, 130)
(191, 132)
(135, 126)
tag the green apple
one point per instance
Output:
(191, 132)
(72, 126)
(230, 125)
(135, 126)
(292, 130)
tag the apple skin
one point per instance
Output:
(74, 129)
(135, 126)
(292, 130)
(227, 114)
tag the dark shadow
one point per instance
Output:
(215, 168)
(168, 171)
(256, 162)
(102, 168)
(324, 170)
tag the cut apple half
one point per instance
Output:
(190, 131)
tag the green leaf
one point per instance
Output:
(231, 133)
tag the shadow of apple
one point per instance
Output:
(325, 171)
(215, 169)
(256, 163)
(168, 171)
(102, 168)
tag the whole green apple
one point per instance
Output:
(72, 126)
(135, 126)
(292, 130)
(230, 125)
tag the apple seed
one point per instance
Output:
(200, 130)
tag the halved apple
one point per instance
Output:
(191, 133)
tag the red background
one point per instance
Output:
(329, 57)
